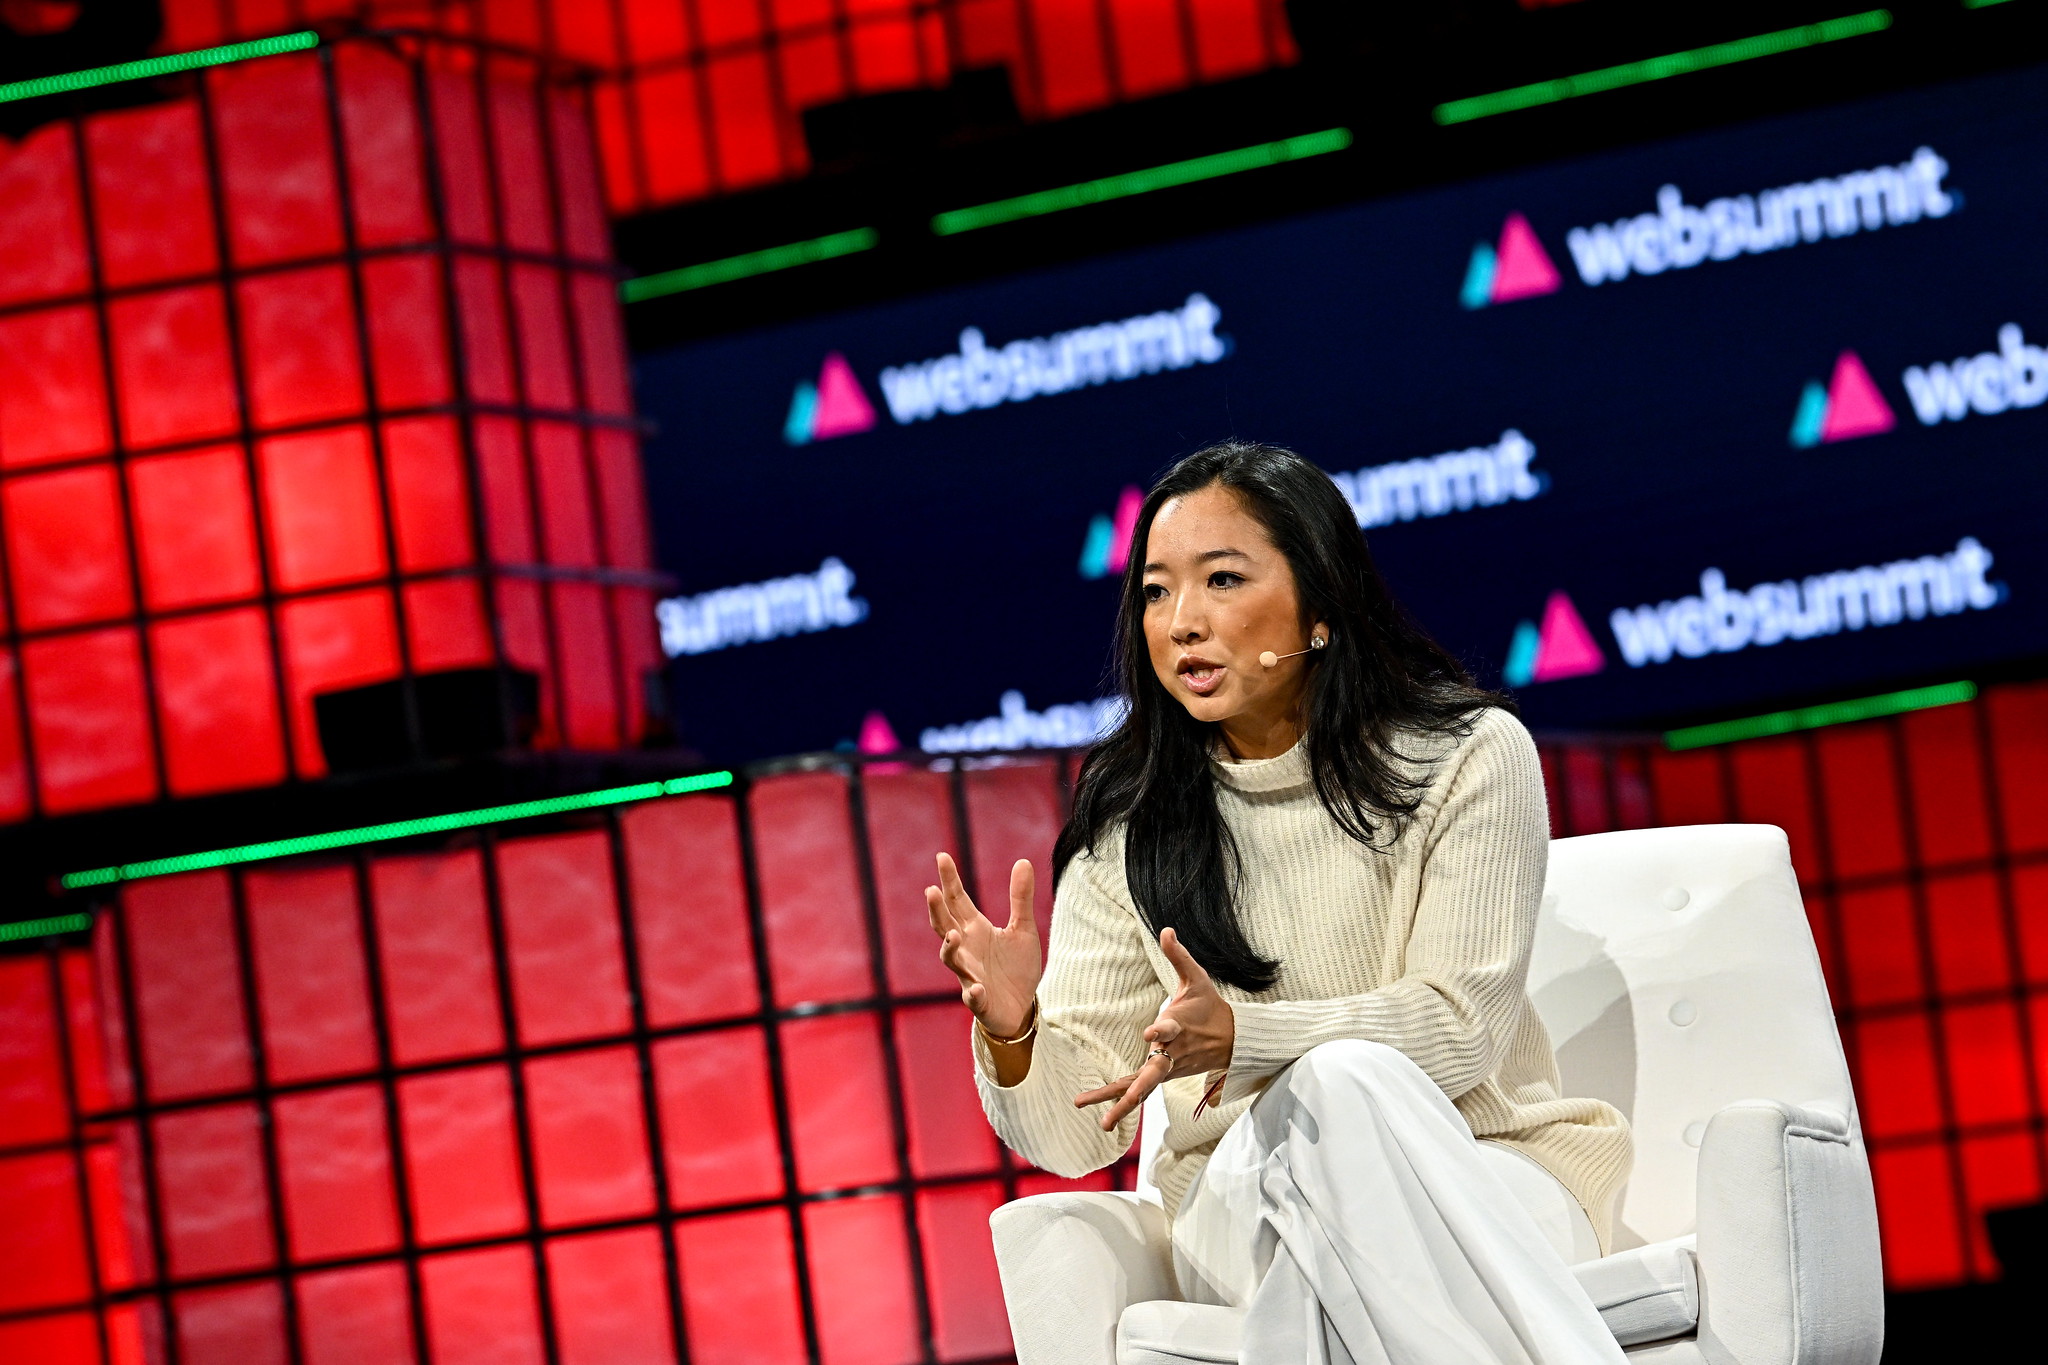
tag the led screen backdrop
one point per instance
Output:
(1701, 426)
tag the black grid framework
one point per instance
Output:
(1062, 57)
(1826, 788)
(617, 567)
(950, 37)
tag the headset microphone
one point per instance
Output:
(1269, 658)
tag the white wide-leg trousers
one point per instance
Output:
(1354, 1218)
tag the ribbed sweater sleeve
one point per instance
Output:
(1098, 995)
(1454, 999)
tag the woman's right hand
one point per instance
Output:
(998, 968)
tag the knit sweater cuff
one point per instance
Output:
(1036, 1117)
(1271, 1038)
(1011, 1109)
(1012, 1098)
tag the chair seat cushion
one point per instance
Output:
(1166, 1333)
(1646, 1293)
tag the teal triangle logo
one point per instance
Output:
(803, 412)
(1096, 548)
(1522, 650)
(1477, 290)
(1812, 417)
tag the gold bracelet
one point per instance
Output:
(1030, 1027)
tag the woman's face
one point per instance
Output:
(1218, 593)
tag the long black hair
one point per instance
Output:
(1380, 681)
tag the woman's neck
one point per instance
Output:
(1255, 737)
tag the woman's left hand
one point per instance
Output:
(1195, 1030)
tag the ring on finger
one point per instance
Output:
(1161, 1053)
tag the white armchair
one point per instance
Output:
(1678, 979)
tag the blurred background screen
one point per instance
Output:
(1724, 421)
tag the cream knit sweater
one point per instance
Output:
(1423, 945)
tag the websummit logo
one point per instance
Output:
(1848, 407)
(1518, 268)
(834, 406)
(1562, 648)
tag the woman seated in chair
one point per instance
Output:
(1298, 892)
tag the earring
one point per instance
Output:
(1316, 642)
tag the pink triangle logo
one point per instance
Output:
(1855, 407)
(842, 408)
(1566, 648)
(1521, 268)
(876, 735)
(1127, 508)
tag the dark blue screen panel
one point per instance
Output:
(1700, 426)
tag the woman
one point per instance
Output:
(1327, 868)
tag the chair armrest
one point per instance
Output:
(1647, 1293)
(1070, 1264)
(1788, 1253)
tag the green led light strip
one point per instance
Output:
(1813, 717)
(1981, 4)
(1658, 68)
(39, 928)
(748, 263)
(157, 66)
(396, 829)
(1141, 182)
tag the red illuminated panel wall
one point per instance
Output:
(690, 1083)
(702, 97)
(685, 1084)
(1922, 846)
(309, 379)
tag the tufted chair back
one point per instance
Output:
(1676, 974)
